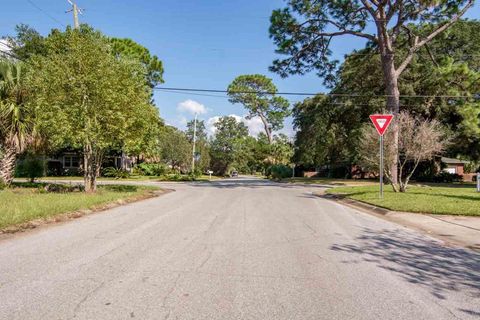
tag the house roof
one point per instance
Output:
(453, 161)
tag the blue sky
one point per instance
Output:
(203, 44)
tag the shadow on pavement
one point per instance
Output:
(420, 260)
(251, 183)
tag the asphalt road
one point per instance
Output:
(241, 249)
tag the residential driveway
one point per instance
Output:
(236, 249)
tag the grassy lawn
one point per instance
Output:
(454, 199)
(329, 181)
(25, 203)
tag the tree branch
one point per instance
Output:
(421, 43)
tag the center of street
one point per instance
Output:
(235, 249)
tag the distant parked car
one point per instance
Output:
(234, 174)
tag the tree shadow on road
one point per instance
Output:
(419, 260)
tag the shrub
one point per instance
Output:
(280, 171)
(3, 185)
(112, 172)
(446, 177)
(31, 167)
(151, 169)
(442, 177)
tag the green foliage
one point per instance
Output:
(16, 117)
(151, 169)
(328, 128)
(3, 185)
(127, 48)
(116, 173)
(176, 150)
(279, 171)
(201, 131)
(228, 143)
(27, 42)
(442, 177)
(32, 167)
(257, 94)
(87, 98)
(303, 30)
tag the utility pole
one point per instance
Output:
(194, 141)
(76, 11)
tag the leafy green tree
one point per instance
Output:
(16, 118)
(228, 143)
(257, 94)
(202, 147)
(282, 150)
(27, 42)
(85, 97)
(127, 48)
(303, 31)
(446, 68)
(201, 134)
(176, 150)
(328, 128)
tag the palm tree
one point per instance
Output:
(16, 127)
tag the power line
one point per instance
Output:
(45, 12)
(312, 94)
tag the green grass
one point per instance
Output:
(456, 199)
(25, 202)
(329, 181)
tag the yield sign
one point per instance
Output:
(381, 122)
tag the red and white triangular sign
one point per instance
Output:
(381, 122)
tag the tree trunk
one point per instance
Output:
(92, 162)
(7, 164)
(268, 130)
(393, 106)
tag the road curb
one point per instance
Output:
(354, 203)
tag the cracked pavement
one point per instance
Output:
(235, 249)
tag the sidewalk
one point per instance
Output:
(459, 230)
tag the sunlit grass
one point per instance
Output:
(455, 200)
(22, 204)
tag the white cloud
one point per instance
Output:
(191, 106)
(255, 125)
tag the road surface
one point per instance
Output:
(237, 249)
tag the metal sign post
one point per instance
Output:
(381, 123)
(381, 167)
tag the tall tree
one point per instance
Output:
(16, 122)
(227, 143)
(257, 94)
(176, 150)
(27, 42)
(201, 132)
(85, 97)
(127, 48)
(304, 30)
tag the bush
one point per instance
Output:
(3, 185)
(31, 167)
(442, 177)
(151, 169)
(112, 172)
(279, 171)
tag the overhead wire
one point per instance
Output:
(194, 90)
(46, 13)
